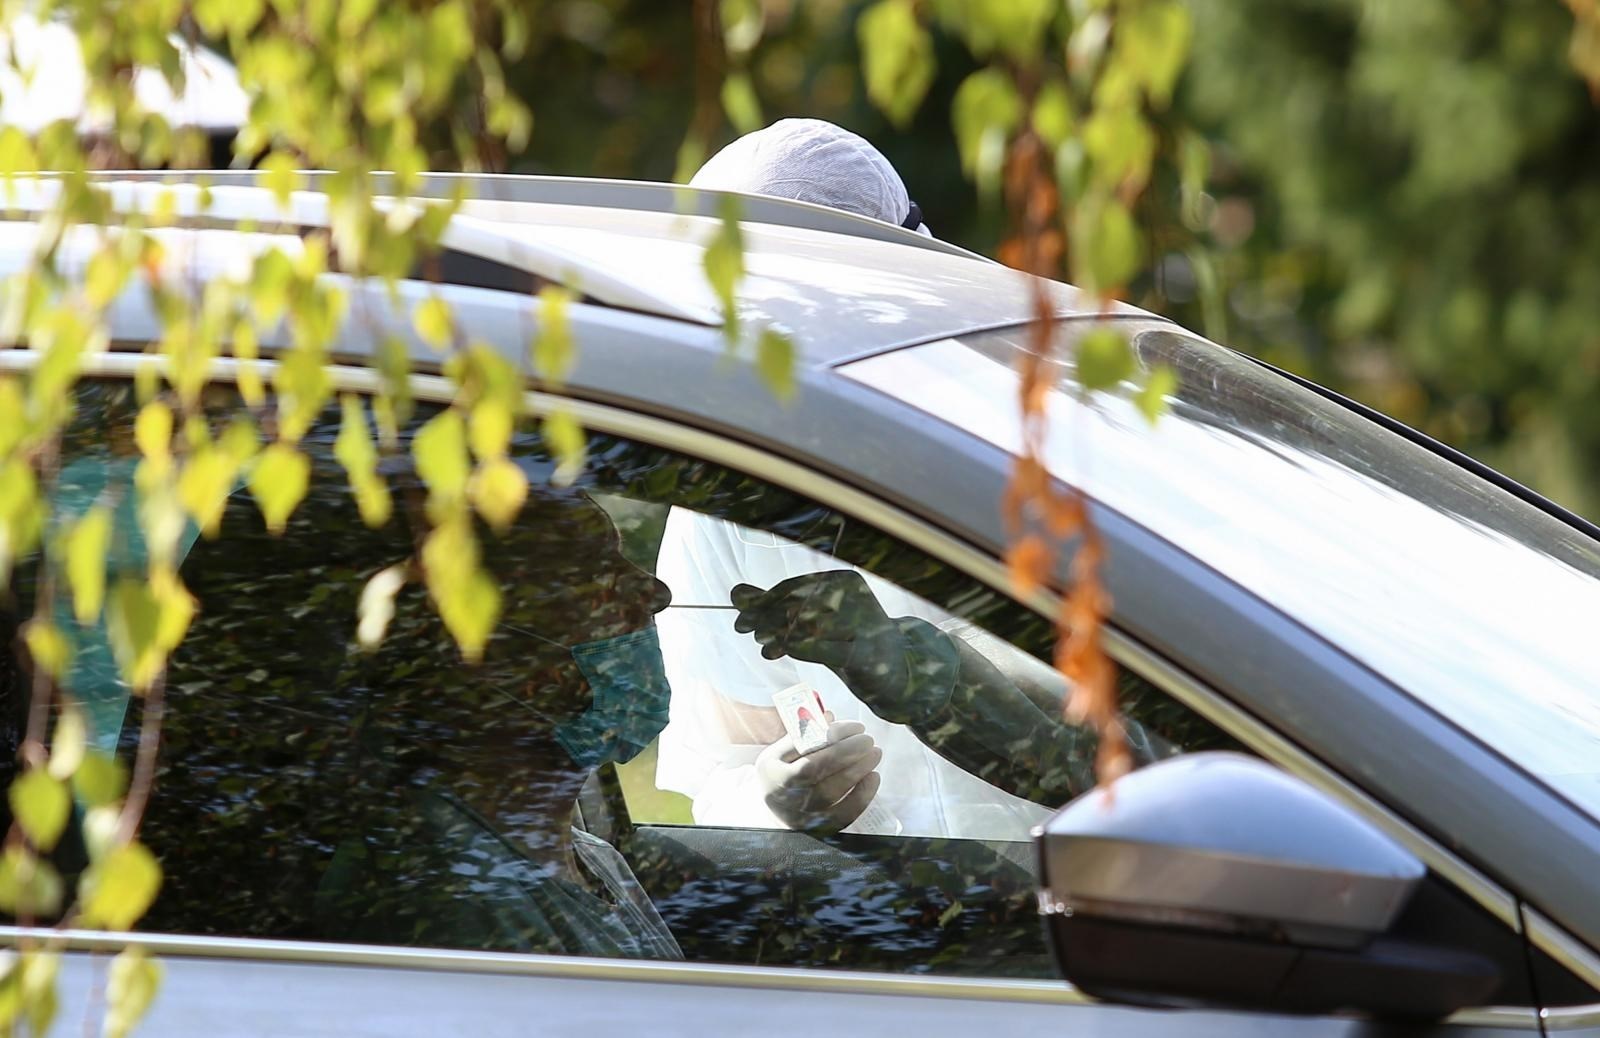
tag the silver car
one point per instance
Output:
(1356, 667)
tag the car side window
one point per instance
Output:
(612, 778)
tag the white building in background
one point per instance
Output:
(52, 84)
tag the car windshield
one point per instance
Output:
(1476, 602)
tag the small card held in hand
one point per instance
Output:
(803, 717)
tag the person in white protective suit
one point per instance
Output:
(725, 746)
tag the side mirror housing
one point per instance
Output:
(1214, 879)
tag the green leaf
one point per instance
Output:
(1151, 399)
(498, 490)
(896, 58)
(1122, 147)
(1053, 118)
(117, 890)
(985, 111)
(739, 101)
(742, 23)
(508, 119)
(279, 174)
(1105, 247)
(100, 779)
(28, 885)
(278, 482)
(775, 361)
(134, 979)
(41, 805)
(17, 155)
(1104, 359)
(724, 265)
(1152, 39)
(432, 321)
(440, 450)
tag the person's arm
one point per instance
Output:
(957, 700)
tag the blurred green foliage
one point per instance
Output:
(1401, 201)
(1404, 206)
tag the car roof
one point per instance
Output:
(840, 286)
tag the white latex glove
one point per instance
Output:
(825, 790)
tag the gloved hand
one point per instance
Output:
(903, 669)
(827, 789)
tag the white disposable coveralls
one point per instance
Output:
(722, 715)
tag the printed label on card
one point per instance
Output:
(804, 717)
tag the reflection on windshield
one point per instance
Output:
(1474, 601)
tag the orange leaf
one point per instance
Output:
(1029, 562)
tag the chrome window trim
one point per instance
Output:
(571, 967)
(936, 543)
(1561, 946)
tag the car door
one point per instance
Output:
(294, 815)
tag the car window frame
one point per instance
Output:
(1210, 703)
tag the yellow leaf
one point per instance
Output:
(552, 348)
(100, 779)
(41, 805)
(489, 427)
(134, 979)
(21, 512)
(469, 610)
(48, 647)
(353, 447)
(145, 621)
(39, 970)
(152, 430)
(204, 486)
(565, 438)
(278, 482)
(117, 890)
(432, 321)
(104, 278)
(246, 349)
(775, 361)
(67, 749)
(28, 886)
(440, 450)
(498, 490)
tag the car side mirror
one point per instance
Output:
(1214, 879)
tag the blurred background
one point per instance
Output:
(1403, 198)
